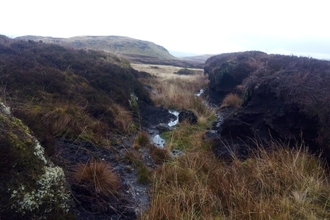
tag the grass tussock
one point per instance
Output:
(123, 118)
(159, 155)
(98, 174)
(275, 184)
(231, 101)
(141, 140)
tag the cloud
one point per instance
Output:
(208, 26)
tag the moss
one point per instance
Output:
(31, 186)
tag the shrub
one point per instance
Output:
(98, 174)
(231, 101)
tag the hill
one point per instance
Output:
(197, 58)
(134, 50)
(125, 46)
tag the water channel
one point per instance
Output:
(159, 141)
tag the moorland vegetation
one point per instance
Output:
(90, 97)
(277, 181)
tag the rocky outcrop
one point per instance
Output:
(285, 98)
(31, 186)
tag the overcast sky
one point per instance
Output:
(191, 26)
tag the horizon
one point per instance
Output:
(191, 27)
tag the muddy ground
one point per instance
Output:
(133, 197)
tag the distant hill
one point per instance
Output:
(197, 58)
(137, 51)
(181, 54)
(111, 44)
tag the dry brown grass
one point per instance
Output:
(123, 118)
(98, 174)
(73, 122)
(160, 70)
(141, 140)
(159, 155)
(179, 190)
(177, 91)
(278, 184)
(66, 117)
(274, 184)
(231, 101)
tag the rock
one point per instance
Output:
(31, 187)
(152, 116)
(162, 127)
(189, 116)
(176, 153)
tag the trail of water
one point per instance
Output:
(159, 141)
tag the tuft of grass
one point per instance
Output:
(141, 140)
(98, 174)
(180, 189)
(281, 183)
(159, 155)
(123, 118)
(231, 101)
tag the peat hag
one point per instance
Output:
(284, 98)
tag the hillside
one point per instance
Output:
(198, 58)
(81, 107)
(111, 44)
(134, 50)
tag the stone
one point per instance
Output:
(189, 116)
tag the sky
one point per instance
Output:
(192, 26)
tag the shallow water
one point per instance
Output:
(174, 122)
(156, 139)
(201, 91)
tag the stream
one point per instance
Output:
(159, 141)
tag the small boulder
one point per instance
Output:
(189, 116)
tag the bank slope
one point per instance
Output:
(283, 97)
